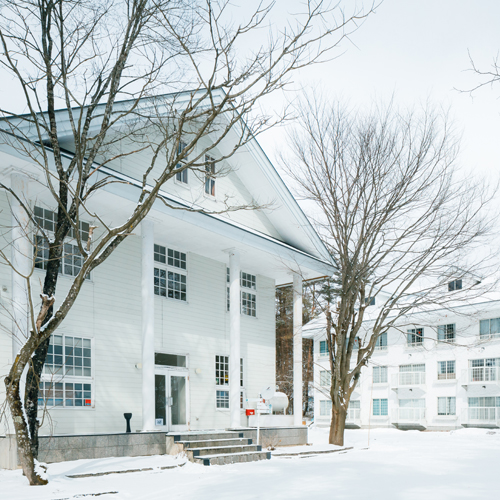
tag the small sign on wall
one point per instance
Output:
(159, 421)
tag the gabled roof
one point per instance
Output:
(288, 218)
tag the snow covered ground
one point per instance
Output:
(396, 465)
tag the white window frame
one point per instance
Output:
(447, 375)
(450, 410)
(225, 386)
(167, 268)
(325, 378)
(61, 377)
(327, 352)
(180, 176)
(482, 327)
(325, 407)
(443, 331)
(379, 346)
(40, 244)
(415, 337)
(379, 414)
(380, 370)
(209, 181)
(248, 286)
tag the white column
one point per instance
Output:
(148, 327)
(297, 349)
(22, 255)
(234, 339)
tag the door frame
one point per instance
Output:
(168, 372)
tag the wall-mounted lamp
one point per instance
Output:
(197, 371)
(138, 366)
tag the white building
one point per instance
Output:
(439, 370)
(154, 331)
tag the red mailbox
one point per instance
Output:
(250, 411)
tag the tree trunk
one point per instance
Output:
(22, 436)
(31, 393)
(337, 426)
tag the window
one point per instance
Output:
(222, 399)
(209, 175)
(455, 285)
(325, 408)
(446, 370)
(370, 301)
(72, 260)
(325, 378)
(248, 304)
(489, 328)
(221, 370)
(380, 407)
(169, 283)
(412, 374)
(446, 333)
(447, 406)
(248, 300)
(47, 220)
(222, 379)
(183, 175)
(380, 374)
(381, 344)
(228, 289)
(484, 402)
(247, 281)
(68, 356)
(415, 337)
(484, 408)
(357, 342)
(67, 373)
(484, 370)
(164, 359)
(323, 348)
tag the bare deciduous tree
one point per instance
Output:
(397, 216)
(99, 69)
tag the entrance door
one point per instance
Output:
(171, 399)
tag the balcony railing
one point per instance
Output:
(447, 376)
(413, 415)
(353, 414)
(481, 415)
(482, 374)
(408, 378)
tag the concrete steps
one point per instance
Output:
(217, 448)
(233, 458)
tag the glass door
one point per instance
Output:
(171, 400)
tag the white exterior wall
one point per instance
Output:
(399, 353)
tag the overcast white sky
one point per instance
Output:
(418, 51)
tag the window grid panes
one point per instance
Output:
(446, 333)
(325, 408)
(415, 337)
(248, 304)
(446, 370)
(222, 399)
(381, 344)
(455, 285)
(69, 356)
(47, 220)
(325, 378)
(447, 406)
(323, 348)
(221, 370)
(247, 281)
(176, 259)
(484, 370)
(380, 374)
(209, 175)
(160, 254)
(489, 328)
(170, 284)
(65, 394)
(183, 175)
(380, 407)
